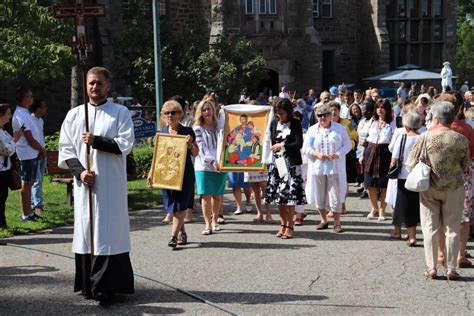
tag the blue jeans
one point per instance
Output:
(37, 188)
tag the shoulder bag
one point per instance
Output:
(395, 170)
(418, 179)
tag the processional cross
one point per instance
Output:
(78, 10)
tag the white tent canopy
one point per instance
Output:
(406, 75)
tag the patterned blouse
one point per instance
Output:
(448, 157)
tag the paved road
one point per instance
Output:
(244, 269)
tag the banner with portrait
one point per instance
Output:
(169, 159)
(245, 143)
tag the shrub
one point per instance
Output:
(143, 156)
(52, 142)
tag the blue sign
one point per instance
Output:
(143, 128)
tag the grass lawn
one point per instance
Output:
(59, 213)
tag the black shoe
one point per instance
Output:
(35, 216)
(182, 239)
(102, 297)
(360, 190)
(173, 242)
(364, 195)
(29, 218)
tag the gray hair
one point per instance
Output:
(411, 120)
(444, 111)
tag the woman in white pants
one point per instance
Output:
(325, 147)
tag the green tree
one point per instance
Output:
(465, 46)
(188, 67)
(33, 42)
(229, 67)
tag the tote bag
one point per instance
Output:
(418, 179)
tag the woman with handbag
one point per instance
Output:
(7, 149)
(446, 152)
(407, 205)
(376, 156)
(285, 180)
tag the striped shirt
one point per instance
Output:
(206, 140)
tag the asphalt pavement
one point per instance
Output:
(243, 269)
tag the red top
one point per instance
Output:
(462, 127)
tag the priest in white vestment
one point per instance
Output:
(111, 138)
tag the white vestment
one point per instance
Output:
(109, 194)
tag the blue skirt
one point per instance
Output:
(210, 183)
(236, 180)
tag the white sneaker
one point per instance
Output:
(248, 208)
(215, 228)
(238, 212)
(381, 218)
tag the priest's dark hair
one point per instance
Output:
(285, 105)
(100, 70)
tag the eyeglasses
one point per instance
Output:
(322, 115)
(170, 113)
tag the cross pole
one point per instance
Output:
(78, 10)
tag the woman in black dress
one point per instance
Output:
(286, 189)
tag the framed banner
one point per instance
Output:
(169, 159)
(244, 138)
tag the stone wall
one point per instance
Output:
(287, 40)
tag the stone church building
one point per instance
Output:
(317, 43)
(306, 43)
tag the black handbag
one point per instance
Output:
(14, 181)
(395, 170)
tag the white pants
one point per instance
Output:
(324, 192)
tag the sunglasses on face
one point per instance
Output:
(170, 113)
(322, 115)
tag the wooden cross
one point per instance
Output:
(79, 11)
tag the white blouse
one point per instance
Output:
(379, 132)
(409, 143)
(331, 140)
(7, 148)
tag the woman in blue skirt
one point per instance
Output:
(177, 202)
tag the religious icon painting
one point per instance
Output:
(244, 139)
(169, 159)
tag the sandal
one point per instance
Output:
(286, 236)
(431, 274)
(269, 219)
(322, 226)
(173, 242)
(452, 275)
(280, 232)
(372, 214)
(395, 236)
(258, 219)
(411, 243)
(182, 239)
(206, 232)
(338, 229)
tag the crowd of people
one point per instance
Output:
(28, 144)
(321, 144)
(318, 145)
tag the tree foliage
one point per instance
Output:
(33, 42)
(229, 67)
(189, 68)
(465, 47)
